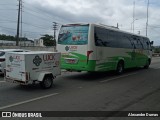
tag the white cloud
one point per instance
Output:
(108, 12)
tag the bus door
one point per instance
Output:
(133, 62)
(138, 51)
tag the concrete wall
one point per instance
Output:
(30, 48)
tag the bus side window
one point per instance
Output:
(145, 46)
(134, 41)
(112, 38)
(96, 39)
(138, 44)
(100, 37)
(148, 45)
(129, 42)
(141, 42)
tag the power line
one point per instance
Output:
(7, 20)
(44, 12)
(154, 26)
(41, 18)
(6, 17)
(36, 16)
(40, 13)
(12, 29)
(155, 30)
(16, 29)
(9, 9)
(7, 28)
(35, 26)
(37, 32)
(8, 4)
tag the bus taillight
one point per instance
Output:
(88, 54)
(2, 59)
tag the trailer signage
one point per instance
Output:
(48, 57)
(37, 60)
(32, 67)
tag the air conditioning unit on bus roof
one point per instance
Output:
(109, 26)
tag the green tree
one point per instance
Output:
(7, 37)
(11, 38)
(48, 40)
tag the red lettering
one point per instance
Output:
(73, 47)
(17, 57)
(48, 57)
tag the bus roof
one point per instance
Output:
(104, 26)
(116, 29)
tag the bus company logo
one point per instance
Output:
(11, 59)
(37, 60)
(67, 48)
(71, 48)
(15, 58)
(49, 57)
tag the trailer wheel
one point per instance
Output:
(47, 82)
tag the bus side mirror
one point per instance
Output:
(152, 42)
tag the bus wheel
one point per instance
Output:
(47, 82)
(147, 64)
(120, 68)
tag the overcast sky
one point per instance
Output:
(38, 15)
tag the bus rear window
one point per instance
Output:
(73, 35)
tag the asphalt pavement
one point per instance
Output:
(136, 90)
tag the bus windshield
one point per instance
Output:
(73, 35)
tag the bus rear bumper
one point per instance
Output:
(78, 68)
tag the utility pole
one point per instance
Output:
(133, 14)
(21, 23)
(18, 23)
(147, 18)
(55, 25)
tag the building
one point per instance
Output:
(13, 43)
(38, 42)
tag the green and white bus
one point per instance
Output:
(96, 48)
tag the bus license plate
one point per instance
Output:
(71, 61)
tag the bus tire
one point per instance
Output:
(147, 64)
(47, 82)
(120, 68)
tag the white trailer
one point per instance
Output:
(30, 67)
